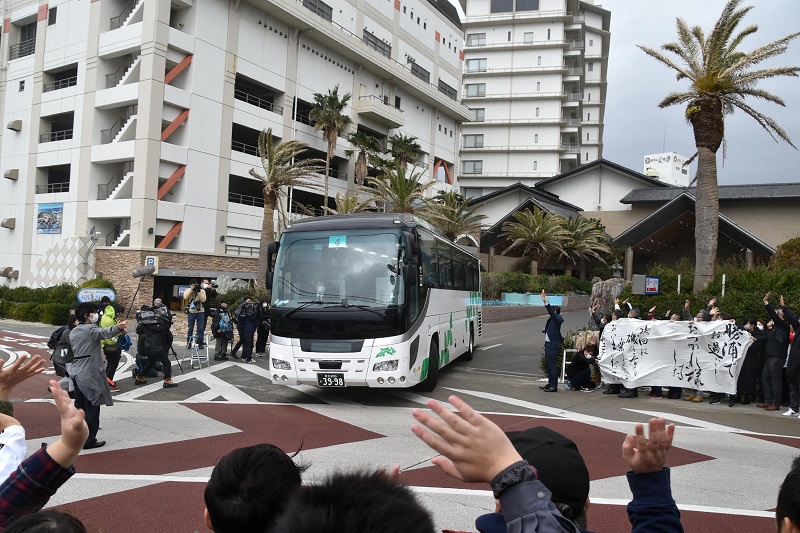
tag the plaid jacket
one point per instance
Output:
(29, 488)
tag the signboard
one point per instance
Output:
(151, 260)
(49, 218)
(703, 355)
(651, 285)
(95, 295)
(181, 289)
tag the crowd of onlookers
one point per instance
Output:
(770, 371)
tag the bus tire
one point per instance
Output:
(470, 353)
(433, 369)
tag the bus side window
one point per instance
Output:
(427, 253)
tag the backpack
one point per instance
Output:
(51, 343)
(156, 323)
(248, 310)
(225, 322)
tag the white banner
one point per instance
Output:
(698, 355)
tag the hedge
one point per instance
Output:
(496, 283)
(50, 305)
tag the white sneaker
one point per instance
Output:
(791, 412)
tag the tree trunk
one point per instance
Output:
(267, 236)
(361, 168)
(709, 130)
(327, 172)
(534, 267)
(568, 270)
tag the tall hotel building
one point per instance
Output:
(535, 80)
(130, 126)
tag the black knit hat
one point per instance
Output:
(560, 465)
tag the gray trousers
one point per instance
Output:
(772, 379)
(794, 396)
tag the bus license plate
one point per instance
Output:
(330, 380)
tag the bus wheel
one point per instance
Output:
(470, 353)
(433, 369)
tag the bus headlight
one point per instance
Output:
(386, 366)
(280, 364)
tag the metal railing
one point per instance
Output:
(108, 135)
(52, 187)
(575, 71)
(303, 119)
(576, 45)
(115, 77)
(25, 48)
(256, 101)
(571, 148)
(60, 84)
(249, 149)
(104, 190)
(236, 249)
(573, 122)
(519, 15)
(244, 199)
(575, 97)
(117, 230)
(62, 135)
(116, 22)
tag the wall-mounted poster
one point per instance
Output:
(49, 218)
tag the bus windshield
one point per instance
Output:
(340, 269)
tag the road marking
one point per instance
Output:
(690, 421)
(25, 334)
(571, 415)
(689, 507)
(482, 348)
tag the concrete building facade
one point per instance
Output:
(134, 124)
(535, 79)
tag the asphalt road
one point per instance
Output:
(162, 443)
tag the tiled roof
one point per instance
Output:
(602, 162)
(726, 192)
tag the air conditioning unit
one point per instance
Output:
(15, 125)
(8, 223)
(11, 174)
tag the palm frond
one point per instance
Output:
(677, 98)
(665, 60)
(764, 121)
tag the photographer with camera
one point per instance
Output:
(196, 296)
(155, 339)
(210, 287)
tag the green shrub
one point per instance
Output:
(54, 313)
(493, 284)
(64, 293)
(98, 283)
(6, 309)
(26, 311)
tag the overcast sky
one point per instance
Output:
(634, 125)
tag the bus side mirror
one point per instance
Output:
(272, 251)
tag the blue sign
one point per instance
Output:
(651, 284)
(182, 289)
(95, 295)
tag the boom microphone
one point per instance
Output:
(144, 271)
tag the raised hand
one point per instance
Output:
(474, 448)
(648, 455)
(74, 430)
(17, 372)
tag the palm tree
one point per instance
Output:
(539, 233)
(367, 146)
(327, 116)
(350, 204)
(721, 77)
(282, 170)
(449, 213)
(586, 240)
(405, 149)
(403, 194)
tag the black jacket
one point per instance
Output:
(777, 341)
(793, 367)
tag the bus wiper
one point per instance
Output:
(344, 305)
(303, 305)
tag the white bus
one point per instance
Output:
(370, 300)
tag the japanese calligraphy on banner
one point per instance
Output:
(704, 355)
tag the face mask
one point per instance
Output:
(760, 326)
(264, 306)
(205, 285)
(93, 318)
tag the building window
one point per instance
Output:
(588, 117)
(536, 138)
(527, 5)
(590, 66)
(509, 37)
(479, 115)
(502, 6)
(445, 130)
(440, 127)
(420, 72)
(473, 141)
(446, 89)
(417, 21)
(21, 85)
(320, 8)
(527, 37)
(535, 165)
(476, 89)
(548, 34)
(51, 16)
(404, 10)
(539, 60)
(472, 167)
(397, 102)
(590, 96)
(591, 42)
(537, 111)
(587, 136)
(476, 65)
(538, 86)
(476, 39)
(376, 44)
